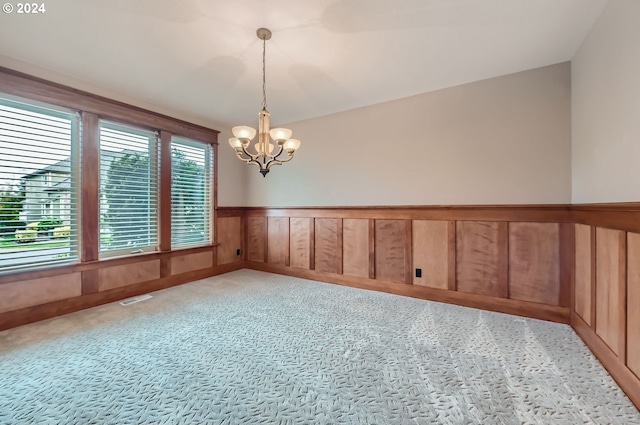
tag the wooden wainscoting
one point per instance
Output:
(278, 238)
(63, 290)
(30, 296)
(534, 262)
(576, 264)
(357, 247)
(230, 234)
(327, 245)
(606, 308)
(392, 243)
(502, 258)
(633, 302)
(434, 250)
(482, 258)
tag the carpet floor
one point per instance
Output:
(255, 348)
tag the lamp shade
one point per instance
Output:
(244, 132)
(270, 148)
(235, 143)
(291, 144)
(280, 133)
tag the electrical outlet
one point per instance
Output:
(238, 251)
(418, 272)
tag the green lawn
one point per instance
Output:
(11, 244)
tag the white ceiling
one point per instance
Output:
(202, 59)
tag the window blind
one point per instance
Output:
(38, 184)
(128, 189)
(191, 179)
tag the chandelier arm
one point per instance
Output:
(288, 159)
(247, 160)
(252, 159)
(280, 149)
(273, 163)
(244, 150)
(274, 158)
(279, 161)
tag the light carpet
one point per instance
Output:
(256, 348)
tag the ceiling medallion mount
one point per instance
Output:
(263, 33)
(264, 156)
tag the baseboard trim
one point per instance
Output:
(500, 305)
(625, 378)
(12, 319)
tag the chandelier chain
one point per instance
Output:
(264, 80)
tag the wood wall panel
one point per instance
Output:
(504, 213)
(629, 382)
(278, 240)
(584, 276)
(300, 237)
(567, 263)
(230, 239)
(70, 304)
(22, 294)
(610, 288)
(89, 281)
(390, 241)
(481, 258)
(431, 253)
(191, 262)
(624, 216)
(256, 239)
(534, 262)
(128, 274)
(372, 249)
(453, 286)
(633, 302)
(504, 305)
(355, 247)
(328, 233)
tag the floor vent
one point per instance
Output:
(134, 300)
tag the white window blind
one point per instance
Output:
(38, 185)
(128, 189)
(191, 179)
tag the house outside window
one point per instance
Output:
(128, 189)
(191, 179)
(38, 209)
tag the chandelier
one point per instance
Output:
(264, 156)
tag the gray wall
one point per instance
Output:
(606, 108)
(505, 140)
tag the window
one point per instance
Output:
(128, 189)
(37, 142)
(46, 209)
(191, 176)
(43, 193)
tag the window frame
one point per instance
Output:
(154, 175)
(60, 112)
(91, 109)
(209, 169)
